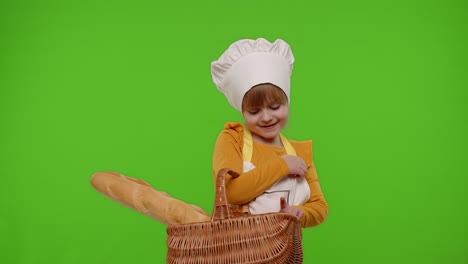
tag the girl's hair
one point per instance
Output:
(263, 94)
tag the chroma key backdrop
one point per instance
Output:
(87, 86)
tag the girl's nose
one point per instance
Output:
(266, 116)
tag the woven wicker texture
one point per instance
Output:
(235, 236)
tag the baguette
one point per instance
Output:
(142, 197)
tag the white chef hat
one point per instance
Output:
(247, 63)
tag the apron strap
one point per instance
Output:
(247, 148)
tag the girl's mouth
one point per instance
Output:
(269, 126)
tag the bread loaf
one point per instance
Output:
(142, 197)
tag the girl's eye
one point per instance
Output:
(275, 106)
(253, 112)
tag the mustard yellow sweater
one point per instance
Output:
(270, 167)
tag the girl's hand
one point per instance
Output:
(285, 208)
(297, 166)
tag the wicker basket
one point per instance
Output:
(235, 236)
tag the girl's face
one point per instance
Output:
(266, 122)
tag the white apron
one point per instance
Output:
(296, 191)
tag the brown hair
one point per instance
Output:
(263, 94)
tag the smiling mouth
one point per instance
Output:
(269, 126)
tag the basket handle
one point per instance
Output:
(222, 209)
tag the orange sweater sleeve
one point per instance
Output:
(316, 208)
(228, 154)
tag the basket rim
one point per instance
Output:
(277, 214)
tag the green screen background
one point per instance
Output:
(87, 86)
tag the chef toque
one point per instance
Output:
(247, 63)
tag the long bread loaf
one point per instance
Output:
(140, 196)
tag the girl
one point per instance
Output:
(278, 174)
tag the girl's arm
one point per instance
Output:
(316, 209)
(243, 189)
